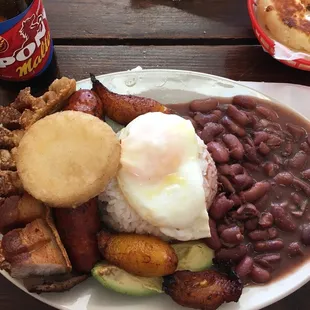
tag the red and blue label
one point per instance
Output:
(26, 47)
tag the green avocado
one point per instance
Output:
(119, 280)
(193, 255)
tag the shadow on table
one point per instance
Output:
(220, 10)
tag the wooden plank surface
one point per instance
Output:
(248, 63)
(148, 19)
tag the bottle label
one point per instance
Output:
(26, 47)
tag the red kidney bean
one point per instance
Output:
(237, 169)
(282, 218)
(296, 131)
(218, 113)
(218, 152)
(244, 102)
(288, 149)
(203, 119)
(236, 199)
(296, 198)
(257, 191)
(299, 184)
(251, 167)
(232, 235)
(234, 146)
(294, 249)
(232, 127)
(227, 186)
(298, 161)
(221, 205)
(248, 140)
(266, 220)
(261, 203)
(242, 181)
(253, 119)
(264, 264)
(306, 174)
(233, 254)
(195, 125)
(210, 131)
(305, 234)
(251, 224)
(273, 233)
(270, 126)
(274, 141)
(305, 147)
(230, 170)
(244, 267)
(225, 169)
(251, 154)
(214, 241)
(308, 138)
(258, 235)
(264, 149)
(271, 258)
(238, 116)
(203, 105)
(260, 275)
(269, 245)
(284, 178)
(246, 211)
(267, 113)
(278, 160)
(260, 136)
(270, 169)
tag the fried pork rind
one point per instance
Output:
(35, 250)
(125, 108)
(20, 115)
(36, 108)
(57, 286)
(205, 290)
(19, 210)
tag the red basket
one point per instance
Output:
(269, 44)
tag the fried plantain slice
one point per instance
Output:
(205, 290)
(125, 108)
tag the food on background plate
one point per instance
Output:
(287, 21)
(238, 160)
(166, 182)
(141, 255)
(67, 158)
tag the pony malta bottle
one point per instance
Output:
(26, 49)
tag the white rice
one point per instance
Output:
(120, 216)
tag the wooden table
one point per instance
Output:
(211, 36)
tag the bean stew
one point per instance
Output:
(260, 218)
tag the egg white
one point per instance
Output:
(161, 176)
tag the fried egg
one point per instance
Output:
(161, 175)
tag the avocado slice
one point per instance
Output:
(119, 280)
(193, 255)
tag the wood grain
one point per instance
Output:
(148, 19)
(248, 63)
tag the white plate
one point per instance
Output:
(168, 86)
